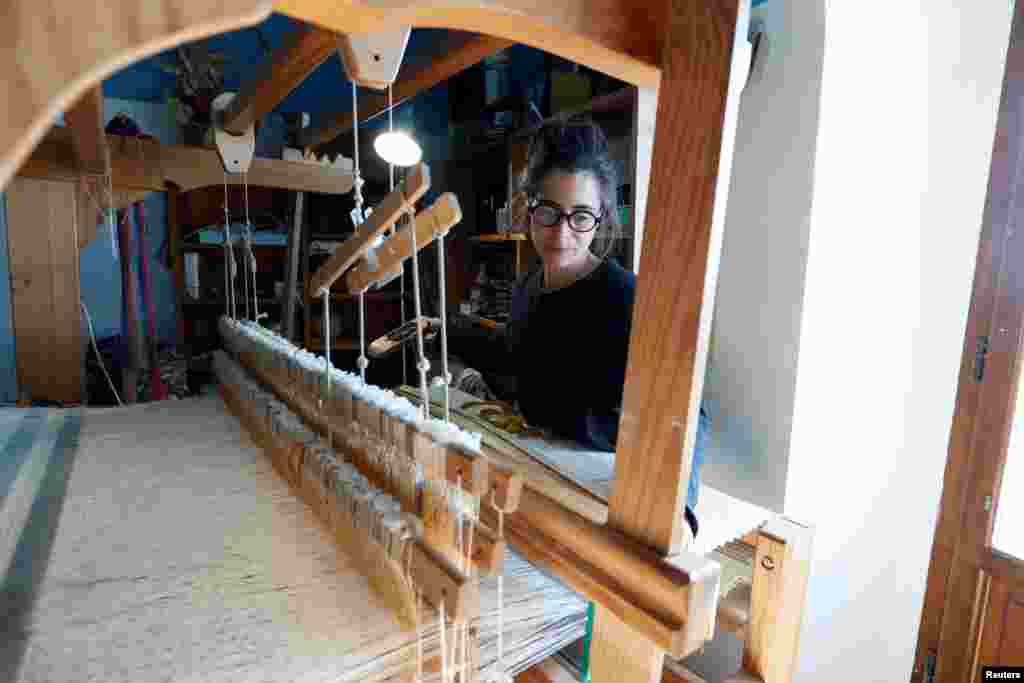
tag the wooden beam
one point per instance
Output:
(290, 64)
(444, 213)
(384, 216)
(86, 42)
(618, 650)
(139, 164)
(412, 80)
(617, 37)
(696, 112)
(85, 121)
(781, 567)
(669, 602)
(668, 343)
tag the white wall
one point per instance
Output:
(752, 364)
(908, 109)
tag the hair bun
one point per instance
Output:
(575, 137)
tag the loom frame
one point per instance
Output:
(56, 53)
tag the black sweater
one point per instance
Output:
(569, 350)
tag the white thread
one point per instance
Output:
(419, 638)
(362, 361)
(391, 188)
(229, 298)
(425, 396)
(248, 245)
(444, 649)
(444, 326)
(501, 594)
(103, 366)
(358, 180)
(327, 351)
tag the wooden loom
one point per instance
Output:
(685, 50)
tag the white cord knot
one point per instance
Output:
(362, 363)
(442, 380)
(423, 366)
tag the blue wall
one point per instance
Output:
(100, 265)
(8, 377)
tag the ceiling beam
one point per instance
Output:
(143, 165)
(289, 64)
(460, 54)
(85, 121)
(621, 38)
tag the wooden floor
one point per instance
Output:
(165, 548)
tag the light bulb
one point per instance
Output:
(398, 148)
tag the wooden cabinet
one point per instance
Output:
(42, 220)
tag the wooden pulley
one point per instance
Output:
(373, 59)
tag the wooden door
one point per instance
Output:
(42, 243)
(973, 613)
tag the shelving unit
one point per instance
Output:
(517, 239)
(378, 321)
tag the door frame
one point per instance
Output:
(963, 561)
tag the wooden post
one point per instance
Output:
(291, 273)
(782, 563)
(685, 214)
(683, 224)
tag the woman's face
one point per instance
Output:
(560, 246)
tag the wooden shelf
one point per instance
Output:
(500, 237)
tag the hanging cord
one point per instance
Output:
(444, 650)
(229, 257)
(362, 362)
(445, 378)
(248, 248)
(501, 594)
(245, 273)
(401, 281)
(423, 365)
(112, 217)
(103, 366)
(419, 638)
(327, 353)
(358, 180)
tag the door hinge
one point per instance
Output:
(987, 503)
(980, 352)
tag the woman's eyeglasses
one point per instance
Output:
(549, 215)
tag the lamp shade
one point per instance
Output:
(398, 148)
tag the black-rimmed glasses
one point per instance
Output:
(549, 214)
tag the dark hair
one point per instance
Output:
(577, 145)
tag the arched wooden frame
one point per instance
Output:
(53, 52)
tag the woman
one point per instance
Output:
(568, 334)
